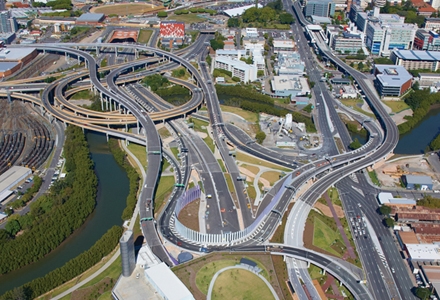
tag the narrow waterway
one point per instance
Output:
(112, 193)
(416, 141)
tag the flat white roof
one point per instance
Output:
(11, 176)
(168, 283)
(2, 216)
(428, 252)
(15, 53)
(283, 44)
(4, 194)
(238, 11)
(384, 197)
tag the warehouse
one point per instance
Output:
(417, 182)
(167, 284)
(90, 19)
(11, 178)
(428, 253)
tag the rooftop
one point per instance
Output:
(418, 179)
(289, 83)
(278, 43)
(7, 65)
(15, 53)
(238, 11)
(238, 64)
(417, 55)
(408, 237)
(168, 283)
(8, 178)
(427, 252)
(392, 75)
(91, 17)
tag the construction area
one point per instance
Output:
(390, 173)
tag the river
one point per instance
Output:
(113, 188)
(416, 141)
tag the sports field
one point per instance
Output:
(126, 9)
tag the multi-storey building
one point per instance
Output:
(392, 81)
(416, 59)
(425, 40)
(289, 63)
(381, 37)
(343, 41)
(432, 23)
(7, 24)
(237, 67)
(322, 8)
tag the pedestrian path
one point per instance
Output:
(340, 227)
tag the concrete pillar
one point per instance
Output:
(116, 51)
(106, 135)
(323, 271)
(97, 50)
(106, 105)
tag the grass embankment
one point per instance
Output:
(164, 189)
(202, 126)
(126, 9)
(356, 104)
(256, 161)
(144, 36)
(188, 18)
(374, 178)
(240, 284)
(397, 106)
(140, 152)
(82, 95)
(271, 176)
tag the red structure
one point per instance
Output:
(173, 30)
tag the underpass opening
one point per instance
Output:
(127, 36)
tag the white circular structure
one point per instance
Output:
(380, 3)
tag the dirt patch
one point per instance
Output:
(189, 215)
(187, 272)
(326, 210)
(246, 172)
(399, 118)
(390, 173)
(94, 291)
(203, 135)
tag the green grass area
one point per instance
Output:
(240, 284)
(325, 238)
(397, 106)
(201, 186)
(271, 176)
(164, 133)
(164, 189)
(139, 151)
(144, 36)
(251, 191)
(373, 177)
(256, 161)
(334, 195)
(81, 95)
(354, 104)
(175, 152)
(113, 271)
(229, 182)
(205, 274)
(316, 273)
(191, 185)
(221, 164)
(247, 115)
(201, 126)
(137, 228)
(189, 18)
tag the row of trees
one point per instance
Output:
(54, 216)
(29, 194)
(176, 94)
(246, 97)
(272, 12)
(435, 143)
(71, 269)
(155, 81)
(57, 4)
(420, 102)
(217, 42)
(133, 176)
(429, 202)
(195, 10)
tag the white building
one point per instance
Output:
(289, 63)
(424, 252)
(237, 67)
(290, 85)
(257, 53)
(250, 32)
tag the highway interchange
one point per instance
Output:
(137, 105)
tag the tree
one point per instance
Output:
(312, 84)
(233, 22)
(286, 18)
(355, 144)
(360, 66)
(162, 14)
(385, 210)
(260, 137)
(389, 222)
(416, 86)
(12, 227)
(422, 293)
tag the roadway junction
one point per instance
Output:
(241, 229)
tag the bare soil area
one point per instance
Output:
(327, 212)
(189, 216)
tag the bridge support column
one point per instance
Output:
(106, 135)
(340, 283)
(97, 51)
(126, 127)
(116, 51)
(308, 264)
(106, 105)
(323, 271)
(9, 97)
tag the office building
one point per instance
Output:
(432, 23)
(322, 8)
(283, 45)
(237, 67)
(416, 59)
(7, 24)
(392, 81)
(425, 40)
(343, 41)
(382, 37)
(289, 63)
(290, 85)
(428, 253)
(126, 244)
